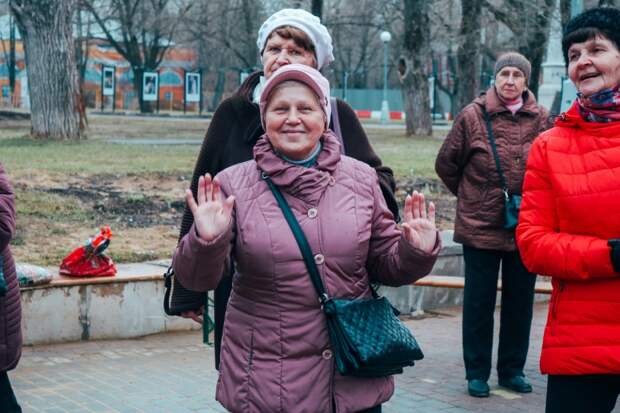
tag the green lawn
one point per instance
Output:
(24, 156)
(65, 191)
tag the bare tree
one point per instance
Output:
(529, 22)
(317, 8)
(223, 31)
(413, 68)
(140, 30)
(82, 25)
(355, 28)
(45, 27)
(468, 53)
(565, 11)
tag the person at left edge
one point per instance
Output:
(10, 304)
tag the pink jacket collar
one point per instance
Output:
(307, 184)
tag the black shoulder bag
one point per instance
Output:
(512, 202)
(367, 338)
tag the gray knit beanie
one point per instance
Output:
(516, 60)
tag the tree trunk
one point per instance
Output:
(468, 54)
(138, 74)
(56, 106)
(317, 8)
(536, 42)
(413, 68)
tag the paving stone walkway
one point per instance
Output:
(173, 373)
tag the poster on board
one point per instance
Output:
(192, 86)
(150, 86)
(108, 80)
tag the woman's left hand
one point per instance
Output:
(419, 225)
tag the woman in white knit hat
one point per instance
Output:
(288, 36)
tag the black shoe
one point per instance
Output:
(477, 388)
(517, 383)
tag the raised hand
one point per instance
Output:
(418, 225)
(211, 214)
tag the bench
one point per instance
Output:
(124, 306)
(447, 281)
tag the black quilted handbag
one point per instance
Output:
(367, 338)
(177, 298)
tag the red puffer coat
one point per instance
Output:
(571, 207)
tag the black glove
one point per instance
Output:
(615, 253)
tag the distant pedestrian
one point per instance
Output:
(569, 226)
(10, 305)
(276, 351)
(508, 119)
(288, 36)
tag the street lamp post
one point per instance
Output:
(385, 109)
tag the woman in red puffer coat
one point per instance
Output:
(570, 222)
(10, 307)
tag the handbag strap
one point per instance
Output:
(301, 239)
(336, 123)
(494, 148)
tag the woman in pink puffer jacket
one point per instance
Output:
(276, 353)
(10, 305)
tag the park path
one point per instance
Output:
(173, 373)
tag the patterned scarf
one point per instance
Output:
(603, 106)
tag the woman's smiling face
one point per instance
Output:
(594, 65)
(294, 120)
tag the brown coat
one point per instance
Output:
(466, 165)
(10, 306)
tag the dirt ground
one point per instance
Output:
(144, 213)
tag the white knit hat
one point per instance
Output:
(306, 22)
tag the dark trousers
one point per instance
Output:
(220, 301)
(8, 402)
(596, 393)
(481, 273)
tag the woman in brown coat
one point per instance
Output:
(467, 166)
(10, 307)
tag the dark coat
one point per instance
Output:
(10, 305)
(466, 165)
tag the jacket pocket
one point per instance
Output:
(248, 373)
(250, 354)
(555, 302)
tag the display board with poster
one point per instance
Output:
(150, 86)
(192, 87)
(108, 80)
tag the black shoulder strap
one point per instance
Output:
(494, 148)
(300, 237)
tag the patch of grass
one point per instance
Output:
(23, 155)
(31, 203)
(407, 156)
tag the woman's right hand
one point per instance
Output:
(212, 215)
(196, 315)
